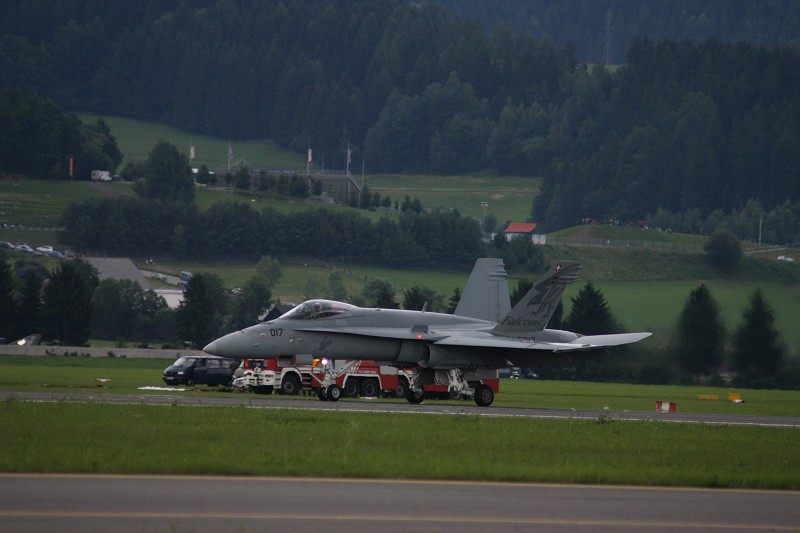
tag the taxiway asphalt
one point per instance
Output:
(88, 503)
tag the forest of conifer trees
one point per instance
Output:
(681, 125)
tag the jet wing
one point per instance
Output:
(485, 340)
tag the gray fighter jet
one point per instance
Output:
(458, 350)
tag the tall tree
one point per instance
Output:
(723, 249)
(168, 176)
(379, 293)
(336, 289)
(417, 297)
(452, 303)
(200, 313)
(31, 275)
(67, 306)
(8, 303)
(699, 342)
(251, 302)
(590, 314)
(759, 351)
(523, 286)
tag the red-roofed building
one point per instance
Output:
(520, 229)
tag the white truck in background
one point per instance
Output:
(101, 175)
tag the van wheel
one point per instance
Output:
(190, 382)
(290, 385)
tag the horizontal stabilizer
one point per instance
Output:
(615, 339)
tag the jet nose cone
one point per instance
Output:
(211, 348)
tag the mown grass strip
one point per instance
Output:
(79, 374)
(76, 437)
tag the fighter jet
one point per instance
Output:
(483, 335)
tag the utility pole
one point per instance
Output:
(607, 55)
(484, 205)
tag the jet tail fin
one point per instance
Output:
(486, 294)
(534, 310)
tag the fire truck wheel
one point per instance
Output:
(369, 388)
(415, 397)
(484, 395)
(321, 394)
(401, 391)
(290, 385)
(333, 393)
(351, 388)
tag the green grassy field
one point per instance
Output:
(508, 198)
(136, 138)
(190, 440)
(39, 203)
(105, 438)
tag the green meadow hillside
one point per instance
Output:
(507, 198)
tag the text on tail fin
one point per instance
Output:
(534, 310)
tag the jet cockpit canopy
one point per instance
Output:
(314, 309)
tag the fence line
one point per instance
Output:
(688, 248)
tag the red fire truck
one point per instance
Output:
(365, 378)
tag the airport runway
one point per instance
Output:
(361, 405)
(88, 503)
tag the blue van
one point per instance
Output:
(200, 370)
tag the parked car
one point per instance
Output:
(785, 258)
(199, 370)
(56, 254)
(22, 247)
(44, 249)
(6, 245)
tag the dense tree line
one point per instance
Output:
(57, 305)
(602, 30)
(134, 225)
(681, 126)
(412, 87)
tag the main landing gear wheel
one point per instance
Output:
(333, 393)
(484, 395)
(415, 397)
